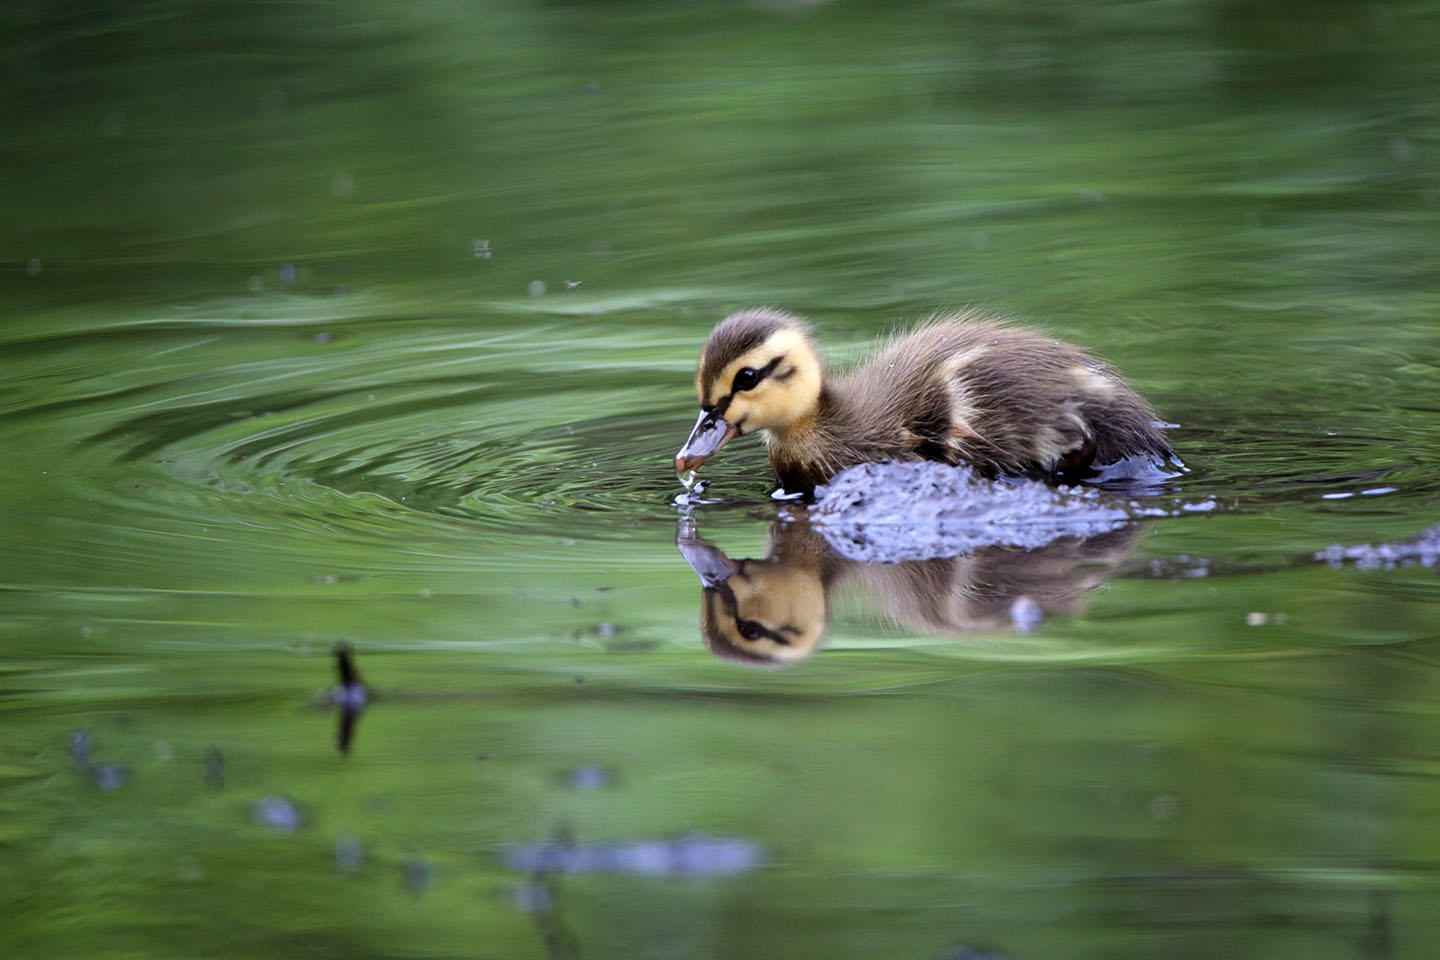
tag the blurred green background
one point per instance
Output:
(377, 323)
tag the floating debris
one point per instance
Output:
(1422, 550)
(106, 776)
(690, 855)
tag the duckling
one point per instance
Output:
(958, 388)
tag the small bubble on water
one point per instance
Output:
(277, 813)
(536, 288)
(80, 745)
(342, 184)
(287, 273)
(33, 267)
(322, 338)
(606, 629)
(110, 776)
(588, 778)
(255, 284)
(419, 876)
(481, 249)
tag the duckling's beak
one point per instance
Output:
(710, 434)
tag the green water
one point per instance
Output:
(293, 353)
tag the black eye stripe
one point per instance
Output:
(747, 378)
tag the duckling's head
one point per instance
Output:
(769, 612)
(759, 371)
(766, 614)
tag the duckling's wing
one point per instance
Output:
(1051, 408)
(1024, 403)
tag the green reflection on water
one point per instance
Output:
(277, 370)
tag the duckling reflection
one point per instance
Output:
(773, 611)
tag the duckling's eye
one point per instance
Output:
(751, 629)
(746, 378)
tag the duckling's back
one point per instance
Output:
(1001, 398)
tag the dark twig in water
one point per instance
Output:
(349, 695)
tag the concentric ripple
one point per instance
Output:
(501, 428)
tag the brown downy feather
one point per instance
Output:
(962, 390)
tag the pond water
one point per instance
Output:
(375, 325)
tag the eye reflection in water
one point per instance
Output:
(773, 611)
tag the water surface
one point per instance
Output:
(377, 325)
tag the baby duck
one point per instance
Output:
(958, 389)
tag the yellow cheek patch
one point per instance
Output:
(737, 412)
